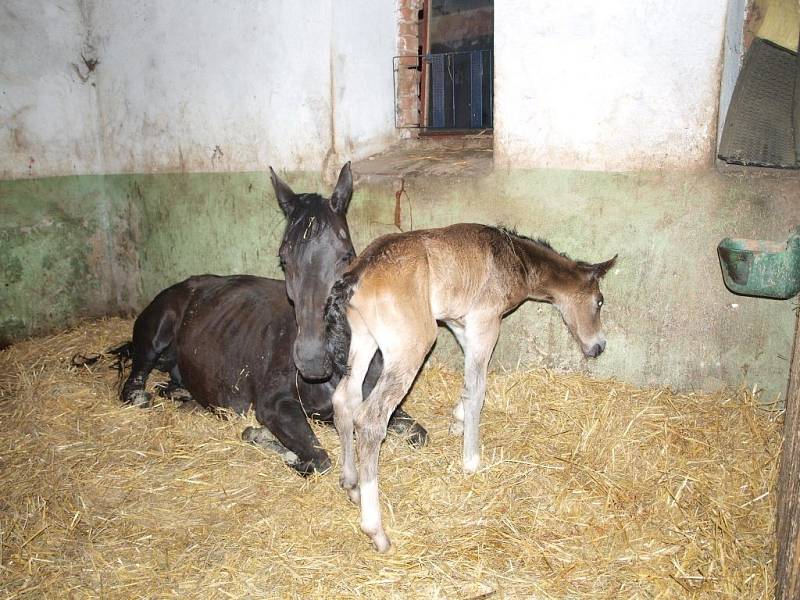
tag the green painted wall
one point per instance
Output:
(668, 316)
(65, 251)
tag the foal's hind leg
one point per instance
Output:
(480, 336)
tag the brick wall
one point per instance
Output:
(408, 77)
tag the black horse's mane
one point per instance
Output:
(308, 220)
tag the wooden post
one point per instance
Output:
(787, 569)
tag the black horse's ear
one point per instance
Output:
(600, 269)
(340, 198)
(283, 193)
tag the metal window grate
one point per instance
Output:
(459, 88)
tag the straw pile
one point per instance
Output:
(589, 489)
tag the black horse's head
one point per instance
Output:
(315, 250)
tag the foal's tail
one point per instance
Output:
(337, 328)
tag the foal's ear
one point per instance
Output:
(283, 193)
(340, 198)
(600, 269)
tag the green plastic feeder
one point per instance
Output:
(761, 268)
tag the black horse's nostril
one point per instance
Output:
(311, 365)
(314, 368)
(315, 372)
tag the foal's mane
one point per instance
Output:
(513, 233)
(542, 243)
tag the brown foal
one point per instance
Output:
(467, 276)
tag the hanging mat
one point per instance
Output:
(758, 128)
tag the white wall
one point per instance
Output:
(615, 85)
(213, 86)
(48, 115)
(364, 38)
(195, 85)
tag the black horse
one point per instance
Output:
(233, 342)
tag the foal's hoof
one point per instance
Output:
(382, 543)
(138, 398)
(351, 487)
(354, 495)
(457, 428)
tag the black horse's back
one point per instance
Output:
(237, 333)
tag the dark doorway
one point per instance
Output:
(457, 39)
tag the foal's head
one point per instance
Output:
(315, 250)
(577, 296)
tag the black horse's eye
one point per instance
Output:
(600, 301)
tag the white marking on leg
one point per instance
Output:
(472, 464)
(371, 515)
(370, 507)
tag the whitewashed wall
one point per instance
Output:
(614, 85)
(194, 85)
(213, 85)
(203, 85)
(364, 39)
(48, 115)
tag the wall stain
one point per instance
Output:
(89, 66)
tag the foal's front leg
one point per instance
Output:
(346, 399)
(371, 421)
(480, 336)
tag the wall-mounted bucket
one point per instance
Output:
(761, 268)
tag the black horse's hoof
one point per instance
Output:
(261, 436)
(173, 392)
(138, 398)
(417, 436)
(319, 466)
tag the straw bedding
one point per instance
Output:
(589, 489)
